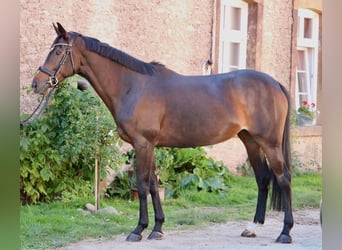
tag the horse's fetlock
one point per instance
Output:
(160, 219)
(143, 225)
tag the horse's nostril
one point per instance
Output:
(34, 84)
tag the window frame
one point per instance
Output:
(230, 36)
(310, 48)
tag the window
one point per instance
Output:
(233, 35)
(307, 57)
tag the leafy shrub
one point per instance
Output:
(190, 168)
(57, 151)
(179, 169)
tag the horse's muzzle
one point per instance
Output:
(39, 88)
(34, 85)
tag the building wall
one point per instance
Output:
(307, 148)
(275, 56)
(179, 34)
(175, 33)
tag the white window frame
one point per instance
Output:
(229, 36)
(310, 48)
(306, 75)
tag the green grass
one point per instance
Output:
(56, 224)
(306, 190)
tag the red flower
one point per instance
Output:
(313, 105)
(305, 103)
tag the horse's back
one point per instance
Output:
(204, 110)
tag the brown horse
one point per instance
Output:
(154, 106)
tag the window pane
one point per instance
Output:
(302, 84)
(234, 54)
(235, 18)
(307, 27)
(300, 60)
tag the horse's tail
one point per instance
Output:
(276, 197)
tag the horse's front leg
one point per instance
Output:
(144, 161)
(157, 233)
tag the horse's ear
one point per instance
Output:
(60, 31)
(56, 29)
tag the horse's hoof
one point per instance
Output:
(155, 235)
(249, 234)
(132, 237)
(283, 238)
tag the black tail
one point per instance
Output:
(276, 197)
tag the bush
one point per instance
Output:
(190, 168)
(57, 151)
(178, 169)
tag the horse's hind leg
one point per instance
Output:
(262, 175)
(283, 193)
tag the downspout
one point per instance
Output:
(207, 65)
(293, 39)
(213, 35)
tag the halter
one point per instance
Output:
(53, 80)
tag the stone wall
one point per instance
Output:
(275, 56)
(175, 33)
(307, 148)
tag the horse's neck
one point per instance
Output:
(108, 84)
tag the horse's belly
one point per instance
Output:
(194, 117)
(193, 134)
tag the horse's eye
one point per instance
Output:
(58, 52)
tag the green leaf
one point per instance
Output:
(41, 158)
(24, 143)
(214, 184)
(45, 174)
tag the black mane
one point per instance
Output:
(119, 56)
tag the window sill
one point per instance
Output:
(307, 131)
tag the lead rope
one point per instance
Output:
(39, 110)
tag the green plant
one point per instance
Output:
(122, 185)
(179, 169)
(307, 109)
(190, 168)
(57, 151)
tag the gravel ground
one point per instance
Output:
(306, 234)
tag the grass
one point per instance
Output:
(56, 224)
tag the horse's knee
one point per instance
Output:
(284, 180)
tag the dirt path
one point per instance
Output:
(306, 234)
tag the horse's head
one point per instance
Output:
(59, 63)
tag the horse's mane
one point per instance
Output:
(120, 57)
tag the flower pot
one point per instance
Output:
(304, 120)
